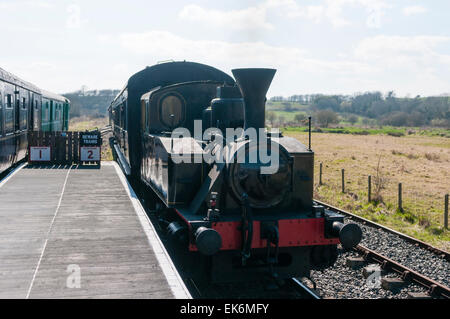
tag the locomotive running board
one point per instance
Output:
(122, 160)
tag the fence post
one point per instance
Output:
(446, 212)
(369, 193)
(400, 206)
(320, 174)
(343, 180)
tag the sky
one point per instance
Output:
(321, 46)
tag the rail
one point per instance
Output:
(435, 289)
(304, 290)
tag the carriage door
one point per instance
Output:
(31, 112)
(52, 117)
(36, 111)
(17, 111)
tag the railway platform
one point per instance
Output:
(79, 232)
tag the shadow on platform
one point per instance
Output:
(62, 166)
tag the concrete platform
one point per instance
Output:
(74, 232)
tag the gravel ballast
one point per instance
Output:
(407, 254)
(342, 282)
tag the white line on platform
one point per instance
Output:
(11, 174)
(174, 280)
(48, 233)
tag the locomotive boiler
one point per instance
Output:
(227, 191)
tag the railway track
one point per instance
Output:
(418, 243)
(105, 130)
(292, 288)
(434, 288)
(305, 291)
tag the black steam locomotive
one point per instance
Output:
(225, 202)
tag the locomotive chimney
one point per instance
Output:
(254, 84)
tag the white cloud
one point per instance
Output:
(413, 10)
(27, 3)
(375, 10)
(411, 64)
(249, 18)
(165, 45)
(256, 17)
(389, 48)
(291, 63)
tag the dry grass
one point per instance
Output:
(421, 164)
(87, 123)
(82, 124)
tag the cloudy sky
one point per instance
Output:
(326, 46)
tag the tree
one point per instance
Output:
(287, 107)
(327, 102)
(299, 118)
(395, 119)
(326, 117)
(271, 117)
(353, 119)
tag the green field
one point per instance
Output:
(386, 130)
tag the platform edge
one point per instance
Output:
(173, 278)
(11, 174)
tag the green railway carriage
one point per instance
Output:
(54, 112)
(24, 107)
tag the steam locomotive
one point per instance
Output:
(224, 202)
(24, 107)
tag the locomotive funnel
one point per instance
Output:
(254, 84)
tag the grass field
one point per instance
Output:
(387, 130)
(89, 124)
(420, 163)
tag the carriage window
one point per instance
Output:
(24, 103)
(9, 101)
(8, 114)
